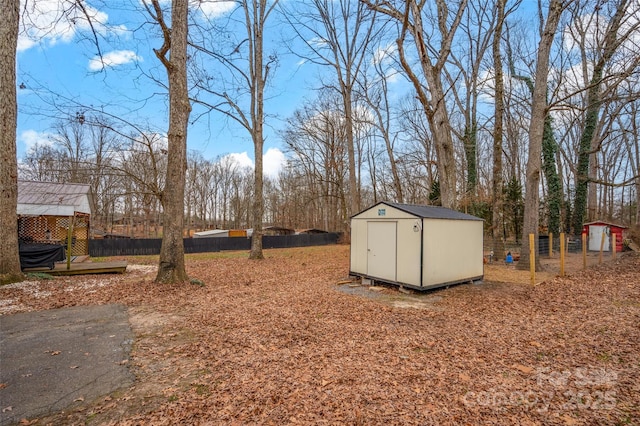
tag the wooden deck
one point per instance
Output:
(82, 268)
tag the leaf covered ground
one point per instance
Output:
(280, 341)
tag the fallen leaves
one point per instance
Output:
(289, 348)
(524, 369)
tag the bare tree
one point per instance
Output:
(611, 42)
(476, 32)
(42, 163)
(536, 130)
(411, 15)
(315, 137)
(240, 93)
(375, 94)
(143, 167)
(9, 251)
(71, 141)
(173, 55)
(338, 35)
(418, 158)
(631, 138)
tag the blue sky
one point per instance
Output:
(58, 60)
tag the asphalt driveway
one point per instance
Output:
(50, 360)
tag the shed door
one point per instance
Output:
(595, 237)
(381, 250)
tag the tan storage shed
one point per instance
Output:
(421, 247)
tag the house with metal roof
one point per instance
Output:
(50, 212)
(416, 246)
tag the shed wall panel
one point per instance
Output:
(452, 251)
(409, 251)
(359, 246)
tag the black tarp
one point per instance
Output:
(40, 255)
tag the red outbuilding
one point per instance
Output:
(594, 231)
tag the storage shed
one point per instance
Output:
(594, 231)
(420, 247)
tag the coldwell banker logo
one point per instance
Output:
(566, 390)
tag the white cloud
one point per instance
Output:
(111, 59)
(211, 9)
(241, 159)
(385, 55)
(384, 59)
(50, 22)
(31, 139)
(273, 161)
(214, 8)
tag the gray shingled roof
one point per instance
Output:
(432, 212)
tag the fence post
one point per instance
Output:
(551, 244)
(613, 245)
(584, 250)
(69, 241)
(532, 258)
(562, 254)
(604, 234)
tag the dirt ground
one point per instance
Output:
(573, 263)
(287, 341)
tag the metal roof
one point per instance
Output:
(432, 212)
(211, 233)
(602, 222)
(54, 199)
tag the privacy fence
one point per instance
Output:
(151, 246)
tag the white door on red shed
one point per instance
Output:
(381, 250)
(595, 237)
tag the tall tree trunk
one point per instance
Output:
(470, 150)
(637, 184)
(549, 152)
(397, 182)
(584, 153)
(447, 174)
(354, 190)
(554, 194)
(171, 268)
(497, 234)
(9, 256)
(259, 75)
(258, 199)
(536, 133)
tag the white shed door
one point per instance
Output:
(595, 237)
(381, 250)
